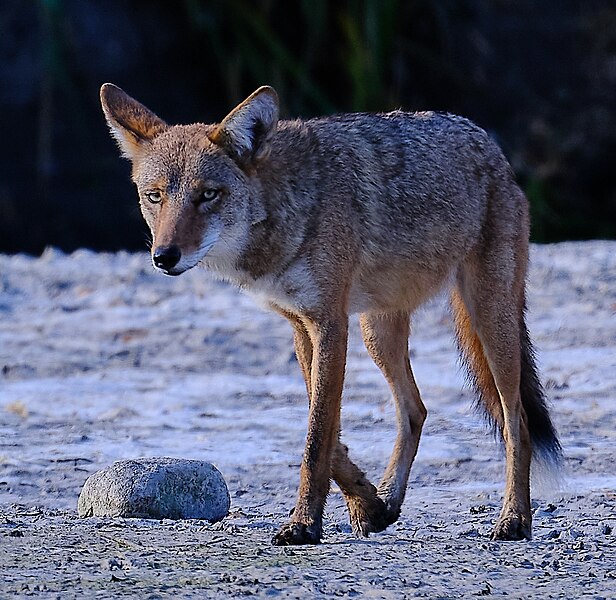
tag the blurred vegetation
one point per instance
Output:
(540, 76)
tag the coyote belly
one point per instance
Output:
(367, 213)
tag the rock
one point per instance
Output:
(156, 488)
(553, 534)
(574, 534)
(605, 529)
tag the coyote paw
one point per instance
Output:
(512, 527)
(370, 518)
(296, 534)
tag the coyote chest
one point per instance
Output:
(294, 290)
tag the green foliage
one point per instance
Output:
(248, 47)
(543, 217)
(543, 87)
(361, 43)
(369, 32)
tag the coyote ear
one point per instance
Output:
(131, 123)
(245, 133)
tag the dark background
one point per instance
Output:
(540, 76)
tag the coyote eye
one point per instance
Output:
(153, 197)
(209, 195)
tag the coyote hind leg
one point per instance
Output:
(386, 339)
(489, 308)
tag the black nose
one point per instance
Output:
(166, 257)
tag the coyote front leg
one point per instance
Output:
(367, 512)
(329, 343)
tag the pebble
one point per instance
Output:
(605, 529)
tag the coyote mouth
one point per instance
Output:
(173, 272)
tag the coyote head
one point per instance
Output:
(195, 182)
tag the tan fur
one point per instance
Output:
(354, 213)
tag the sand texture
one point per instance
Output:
(102, 359)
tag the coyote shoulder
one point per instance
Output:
(366, 213)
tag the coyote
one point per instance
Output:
(355, 213)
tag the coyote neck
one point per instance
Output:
(276, 240)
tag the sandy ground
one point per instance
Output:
(103, 359)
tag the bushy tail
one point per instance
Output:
(541, 429)
(542, 432)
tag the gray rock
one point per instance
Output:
(156, 488)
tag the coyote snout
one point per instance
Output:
(355, 213)
(166, 258)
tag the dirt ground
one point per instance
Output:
(102, 359)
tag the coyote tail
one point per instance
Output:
(543, 435)
(542, 431)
